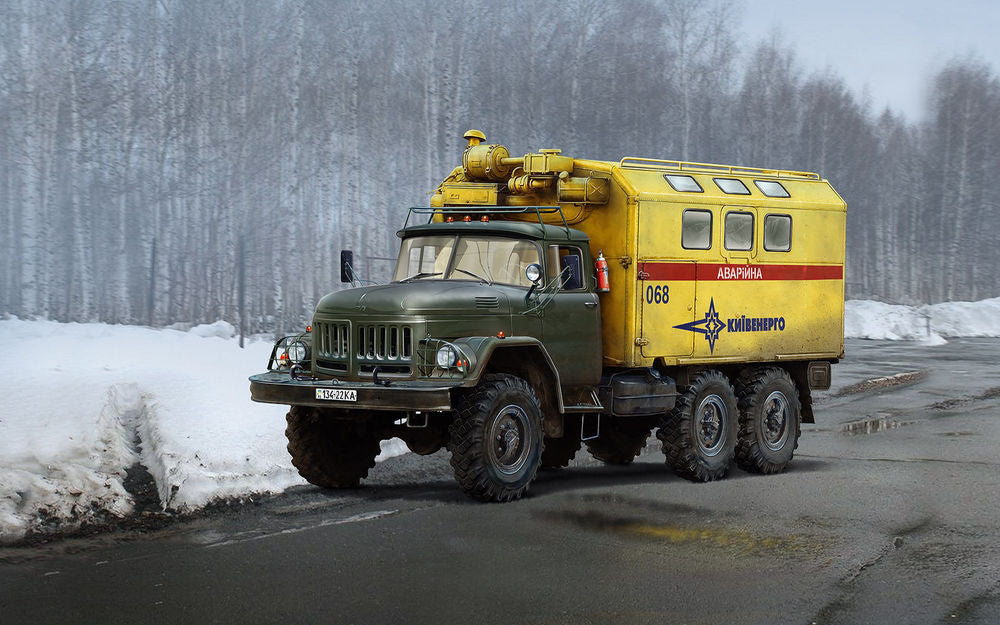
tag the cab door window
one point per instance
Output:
(567, 261)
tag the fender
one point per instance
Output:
(482, 349)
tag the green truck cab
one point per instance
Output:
(486, 339)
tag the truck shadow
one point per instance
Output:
(580, 476)
(641, 472)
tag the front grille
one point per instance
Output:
(347, 349)
(380, 342)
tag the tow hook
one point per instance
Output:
(377, 381)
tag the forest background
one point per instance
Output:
(149, 149)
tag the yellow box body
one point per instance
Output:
(677, 306)
(685, 306)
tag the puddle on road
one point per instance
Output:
(741, 541)
(871, 425)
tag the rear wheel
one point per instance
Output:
(699, 434)
(330, 452)
(769, 422)
(496, 439)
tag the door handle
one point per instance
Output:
(590, 304)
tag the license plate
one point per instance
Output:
(336, 394)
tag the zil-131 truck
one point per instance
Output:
(542, 302)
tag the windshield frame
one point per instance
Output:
(450, 274)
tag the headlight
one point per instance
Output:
(297, 352)
(445, 357)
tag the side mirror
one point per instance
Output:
(346, 266)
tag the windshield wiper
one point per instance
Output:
(422, 274)
(477, 277)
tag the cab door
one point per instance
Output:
(571, 321)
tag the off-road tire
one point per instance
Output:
(559, 451)
(496, 440)
(770, 419)
(329, 452)
(620, 441)
(696, 447)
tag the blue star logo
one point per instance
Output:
(711, 326)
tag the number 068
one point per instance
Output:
(659, 294)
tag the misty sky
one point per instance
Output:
(892, 46)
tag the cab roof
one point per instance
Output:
(506, 227)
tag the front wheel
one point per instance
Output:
(496, 439)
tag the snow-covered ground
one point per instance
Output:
(81, 403)
(931, 324)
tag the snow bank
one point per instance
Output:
(929, 323)
(84, 402)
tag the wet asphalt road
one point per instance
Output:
(895, 525)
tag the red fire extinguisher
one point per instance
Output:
(601, 265)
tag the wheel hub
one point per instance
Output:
(508, 444)
(712, 419)
(775, 416)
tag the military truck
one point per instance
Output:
(543, 302)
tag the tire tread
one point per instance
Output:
(675, 432)
(749, 386)
(466, 442)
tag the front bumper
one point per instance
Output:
(277, 387)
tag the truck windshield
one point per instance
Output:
(486, 259)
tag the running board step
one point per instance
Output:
(590, 402)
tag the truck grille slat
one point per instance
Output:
(332, 339)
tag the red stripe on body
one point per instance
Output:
(711, 271)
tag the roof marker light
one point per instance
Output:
(467, 218)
